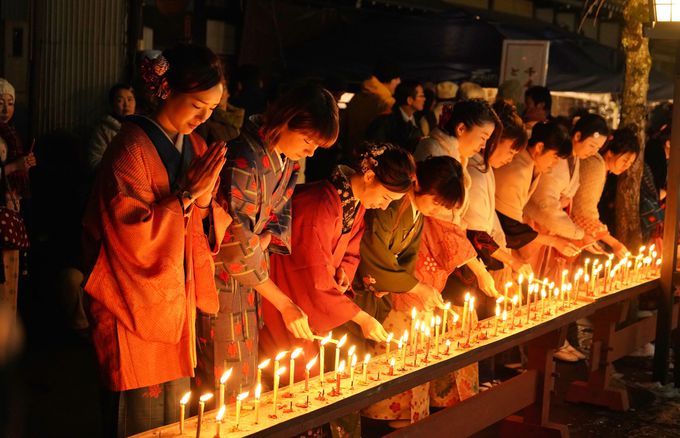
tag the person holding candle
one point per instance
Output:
(256, 188)
(439, 187)
(326, 234)
(147, 251)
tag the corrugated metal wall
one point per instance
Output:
(79, 52)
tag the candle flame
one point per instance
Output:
(399, 344)
(281, 371)
(367, 358)
(281, 355)
(432, 321)
(342, 340)
(417, 325)
(264, 364)
(520, 279)
(258, 391)
(514, 300)
(642, 248)
(543, 294)
(185, 398)
(311, 363)
(413, 313)
(498, 310)
(296, 353)
(556, 292)
(207, 396)
(467, 296)
(353, 348)
(472, 303)
(405, 335)
(220, 414)
(500, 299)
(354, 360)
(447, 306)
(225, 376)
(508, 284)
(456, 317)
(242, 396)
(531, 277)
(427, 331)
(390, 335)
(392, 362)
(448, 342)
(565, 272)
(580, 271)
(437, 320)
(326, 340)
(341, 366)
(505, 315)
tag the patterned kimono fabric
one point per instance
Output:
(256, 186)
(388, 257)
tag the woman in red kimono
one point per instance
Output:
(328, 224)
(148, 257)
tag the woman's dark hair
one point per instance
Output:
(590, 124)
(192, 68)
(441, 177)
(475, 112)
(118, 87)
(655, 155)
(540, 95)
(307, 108)
(513, 126)
(622, 141)
(553, 137)
(393, 166)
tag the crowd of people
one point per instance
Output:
(202, 252)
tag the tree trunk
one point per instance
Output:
(633, 112)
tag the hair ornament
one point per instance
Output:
(153, 71)
(368, 158)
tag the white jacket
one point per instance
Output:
(103, 133)
(515, 183)
(544, 206)
(481, 214)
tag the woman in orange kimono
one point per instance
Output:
(327, 227)
(148, 257)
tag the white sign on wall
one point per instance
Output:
(525, 61)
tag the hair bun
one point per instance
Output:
(153, 71)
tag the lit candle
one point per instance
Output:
(400, 351)
(413, 325)
(391, 371)
(339, 345)
(223, 382)
(415, 336)
(512, 311)
(586, 281)
(448, 346)
(364, 371)
(338, 376)
(556, 293)
(182, 410)
(201, 408)
(291, 380)
(239, 401)
(563, 281)
(507, 286)
(472, 311)
(260, 367)
(218, 420)
(277, 359)
(258, 392)
(505, 319)
(498, 316)
(520, 280)
(465, 310)
(543, 295)
(456, 317)
(387, 344)
(427, 348)
(353, 364)
(277, 378)
(447, 307)
(308, 367)
(437, 324)
(322, 349)
(350, 353)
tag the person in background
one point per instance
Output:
(148, 260)
(510, 92)
(14, 167)
(470, 90)
(376, 98)
(224, 123)
(400, 127)
(426, 118)
(446, 95)
(537, 105)
(122, 103)
(256, 188)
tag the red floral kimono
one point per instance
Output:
(318, 248)
(151, 266)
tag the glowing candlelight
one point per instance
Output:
(293, 356)
(504, 317)
(201, 409)
(448, 346)
(277, 378)
(339, 345)
(447, 307)
(498, 316)
(308, 367)
(437, 324)
(277, 359)
(465, 310)
(338, 376)
(415, 336)
(507, 286)
(456, 317)
(364, 371)
(258, 392)
(427, 348)
(182, 410)
(223, 382)
(556, 293)
(512, 311)
(350, 353)
(260, 367)
(218, 420)
(543, 295)
(322, 349)
(353, 363)
(391, 371)
(472, 311)
(239, 401)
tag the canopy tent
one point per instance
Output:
(456, 45)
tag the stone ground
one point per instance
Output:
(52, 392)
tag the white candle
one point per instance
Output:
(308, 367)
(353, 363)
(258, 392)
(264, 364)
(322, 349)
(364, 371)
(277, 359)
(350, 353)
(277, 378)
(291, 380)
(340, 343)
(447, 307)
(223, 382)
(218, 420)
(387, 344)
(239, 401)
(201, 409)
(182, 410)
(413, 324)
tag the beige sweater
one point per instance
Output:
(515, 183)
